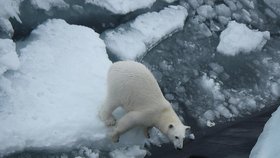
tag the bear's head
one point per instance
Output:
(176, 134)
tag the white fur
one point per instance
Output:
(133, 87)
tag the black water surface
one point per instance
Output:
(227, 141)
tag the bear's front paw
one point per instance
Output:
(115, 138)
(110, 122)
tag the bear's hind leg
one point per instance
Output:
(128, 121)
(105, 114)
(146, 131)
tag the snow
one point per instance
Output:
(8, 56)
(122, 6)
(10, 9)
(238, 38)
(49, 4)
(269, 141)
(6, 28)
(52, 101)
(132, 40)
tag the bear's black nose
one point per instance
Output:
(179, 148)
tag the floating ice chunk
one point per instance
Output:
(49, 4)
(128, 152)
(126, 44)
(214, 26)
(275, 89)
(239, 5)
(246, 16)
(194, 3)
(210, 85)
(169, 96)
(270, 13)
(209, 115)
(133, 39)
(87, 153)
(224, 20)
(233, 100)
(205, 30)
(251, 103)
(236, 16)
(248, 3)
(269, 141)
(122, 6)
(192, 136)
(216, 67)
(224, 111)
(231, 5)
(57, 90)
(8, 56)
(274, 5)
(210, 123)
(223, 10)
(234, 110)
(238, 38)
(206, 11)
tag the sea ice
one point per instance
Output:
(132, 40)
(238, 38)
(8, 56)
(8, 9)
(53, 99)
(269, 141)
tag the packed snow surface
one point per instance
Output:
(8, 56)
(237, 38)
(8, 9)
(133, 39)
(268, 144)
(53, 99)
(122, 6)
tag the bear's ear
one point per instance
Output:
(170, 126)
(188, 127)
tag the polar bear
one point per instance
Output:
(133, 87)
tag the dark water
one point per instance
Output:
(235, 140)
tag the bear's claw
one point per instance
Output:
(115, 138)
(110, 122)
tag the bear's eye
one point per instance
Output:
(176, 137)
